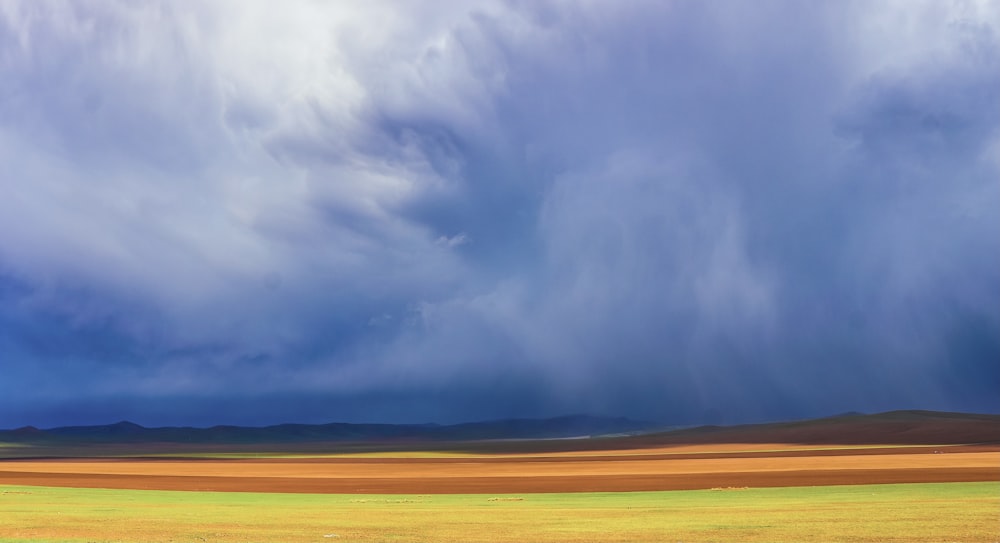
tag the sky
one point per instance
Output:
(250, 212)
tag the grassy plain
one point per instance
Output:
(968, 512)
(823, 480)
(671, 468)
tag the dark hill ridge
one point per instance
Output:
(895, 427)
(128, 432)
(911, 427)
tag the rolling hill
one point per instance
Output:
(511, 435)
(128, 432)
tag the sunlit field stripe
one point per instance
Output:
(903, 512)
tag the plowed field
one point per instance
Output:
(664, 468)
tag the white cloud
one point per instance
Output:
(615, 197)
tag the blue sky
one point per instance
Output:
(245, 212)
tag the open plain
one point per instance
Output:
(679, 486)
(954, 512)
(733, 465)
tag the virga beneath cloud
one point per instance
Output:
(669, 210)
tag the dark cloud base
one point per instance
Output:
(670, 211)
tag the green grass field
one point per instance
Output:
(966, 512)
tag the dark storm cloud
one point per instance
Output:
(668, 210)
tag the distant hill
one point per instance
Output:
(895, 427)
(128, 432)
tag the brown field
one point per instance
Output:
(665, 467)
(838, 478)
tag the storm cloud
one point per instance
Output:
(381, 211)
